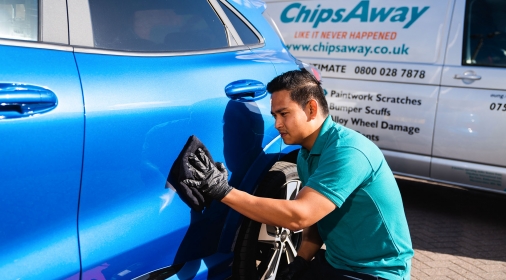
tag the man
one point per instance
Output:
(350, 201)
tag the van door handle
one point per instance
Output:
(245, 90)
(468, 75)
(19, 100)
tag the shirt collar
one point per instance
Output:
(320, 140)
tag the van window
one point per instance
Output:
(485, 33)
(156, 25)
(19, 19)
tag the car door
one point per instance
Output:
(41, 142)
(154, 73)
(469, 146)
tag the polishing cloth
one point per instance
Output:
(180, 171)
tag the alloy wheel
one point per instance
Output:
(277, 246)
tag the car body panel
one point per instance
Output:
(41, 169)
(137, 121)
(249, 183)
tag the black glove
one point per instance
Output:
(210, 179)
(179, 171)
(294, 270)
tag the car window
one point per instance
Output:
(247, 36)
(156, 25)
(485, 33)
(19, 19)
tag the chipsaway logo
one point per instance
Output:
(296, 12)
(365, 50)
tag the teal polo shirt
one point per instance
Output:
(368, 231)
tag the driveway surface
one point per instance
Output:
(456, 233)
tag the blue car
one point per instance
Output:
(97, 99)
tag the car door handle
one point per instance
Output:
(245, 90)
(468, 75)
(19, 100)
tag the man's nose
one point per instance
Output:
(278, 124)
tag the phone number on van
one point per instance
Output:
(390, 72)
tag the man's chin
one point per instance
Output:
(288, 141)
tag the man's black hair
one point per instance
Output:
(303, 86)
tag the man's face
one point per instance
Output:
(292, 121)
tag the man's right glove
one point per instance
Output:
(209, 179)
(295, 269)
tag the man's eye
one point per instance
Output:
(283, 114)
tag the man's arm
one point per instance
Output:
(308, 208)
(305, 210)
(311, 243)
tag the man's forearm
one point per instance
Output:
(311, 243)
(305, 210)
(276, 212)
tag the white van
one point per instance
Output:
(425, 80)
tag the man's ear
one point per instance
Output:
(313, 108)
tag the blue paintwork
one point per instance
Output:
(202, 269)
(275, 51)
(137, 121)
(248, 184)
(40, 169)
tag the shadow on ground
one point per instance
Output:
(455, 221)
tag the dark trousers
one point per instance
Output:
(320, 269)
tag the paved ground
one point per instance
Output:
(456, 233)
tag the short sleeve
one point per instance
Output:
(339, 173)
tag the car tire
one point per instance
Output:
(261, 250)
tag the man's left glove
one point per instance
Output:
(209, 179)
